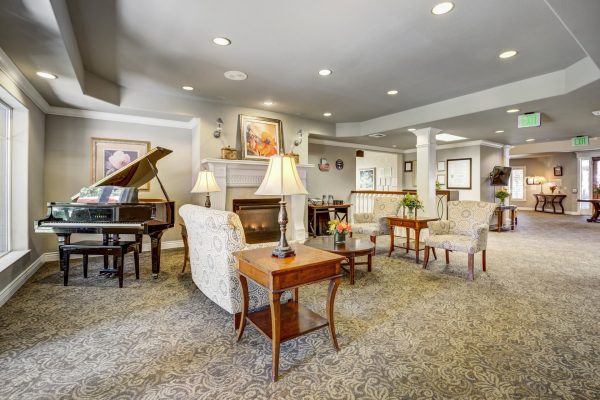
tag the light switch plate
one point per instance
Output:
(574, 190)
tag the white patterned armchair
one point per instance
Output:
(213, 236)
(375, 224)
(465, 230)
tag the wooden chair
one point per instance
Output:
(117, 249)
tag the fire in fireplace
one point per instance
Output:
(259, 218)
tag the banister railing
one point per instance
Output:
(362, 200)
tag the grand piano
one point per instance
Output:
(143, 217)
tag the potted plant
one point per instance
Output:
(339, 230)
(502, 194)
(553, 186)
(597, 190)
(412, 203)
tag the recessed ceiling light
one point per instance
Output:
(530, 140)
(412, 129)
(221, 41)
(327, 114)
(235, 75)
(508, 54)
(500, 131)
(377, 135)
(442, 8)
(446, 137)
(392, 92)
(268, 103)
(46, 75)
(394, 145)
(325, 72)
(188, 88)
(513, 110)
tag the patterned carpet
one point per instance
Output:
(528, 328)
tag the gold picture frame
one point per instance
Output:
(110, 155)
(261, 137)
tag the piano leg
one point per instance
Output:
(155, 246)
(62, 239)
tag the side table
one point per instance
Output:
(409, 223)
(281, 322)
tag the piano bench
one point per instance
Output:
(117, 249)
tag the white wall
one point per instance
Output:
(385, 163)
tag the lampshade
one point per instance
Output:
(206, 183)
(281, 178)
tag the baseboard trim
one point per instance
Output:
(20, 280)
(519, 208)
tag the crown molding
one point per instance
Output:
(354, 146)
(15, 75)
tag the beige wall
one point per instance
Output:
(335, 182)
(35, 184)
(544, 166)
(67, 164)
(382, 162)
(489, 158)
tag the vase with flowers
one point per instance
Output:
(412, 204)
(553, 186)
(339, 230)
(596, 192)
(502, 194)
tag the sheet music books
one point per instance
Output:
(108, 194)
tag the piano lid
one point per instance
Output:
(136, 173)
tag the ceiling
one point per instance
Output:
(104, 49)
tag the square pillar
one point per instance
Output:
(427, 169)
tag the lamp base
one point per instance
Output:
(283, 252)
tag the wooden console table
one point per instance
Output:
(281, 322)
(552, 199)
(340, 212)
(409, 223)
(596, 204)
(500, 212)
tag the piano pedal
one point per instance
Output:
(155, 276)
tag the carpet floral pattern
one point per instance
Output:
(528, 328)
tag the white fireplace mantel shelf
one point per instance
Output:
(250, 173)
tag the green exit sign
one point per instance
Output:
(580, 140)
(529, 120)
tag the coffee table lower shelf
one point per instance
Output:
(296, 320)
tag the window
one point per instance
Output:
(517, 183)
(4, 180)
(584, 183)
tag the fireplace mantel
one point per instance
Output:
(249, 173)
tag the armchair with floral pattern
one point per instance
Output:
(375, 224)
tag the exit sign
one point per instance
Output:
(529, 120)
(580, 141)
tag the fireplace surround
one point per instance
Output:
(259, 219)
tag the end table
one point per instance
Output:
(409, 223)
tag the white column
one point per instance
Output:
(426, 168)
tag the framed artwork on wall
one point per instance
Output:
(408, 166)
(558, 171)
(110, 155)
(441, 178)
(441, 166)
(366, 179)
(261, 137)
(459, 173)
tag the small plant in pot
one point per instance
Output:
(412, 204)
(339, 230)
(502, 194)
(597, 190)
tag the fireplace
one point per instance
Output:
(259, 219)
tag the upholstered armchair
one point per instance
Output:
(375, 224)
(465, 230)
(213, 237)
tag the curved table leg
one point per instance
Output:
(245, 301)
(333, 285)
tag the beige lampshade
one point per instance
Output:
(206, 183)
(281, 178)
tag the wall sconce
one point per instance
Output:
(298, 140)
(219, 130)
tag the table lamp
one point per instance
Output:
(206, 183)
(282, 180)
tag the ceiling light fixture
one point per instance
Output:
(500, 131)
(235, 75)
(513, 110)
(327, 114)
(188, 88)
(530, 140)
(446, 137)
(442, 8)
(392, 92)
(221, 41)
(508, 54)
(325, 72)
(268, 103)
(412, 129)
(46, 75)
(377, 135)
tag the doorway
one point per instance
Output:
(595, 176)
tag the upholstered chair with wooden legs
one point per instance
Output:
(465, 230)
(375, 224)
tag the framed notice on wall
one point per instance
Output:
(459, 173)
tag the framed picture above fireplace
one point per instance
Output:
(261, 137)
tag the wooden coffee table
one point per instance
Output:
(351, 249)
(416, 223)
